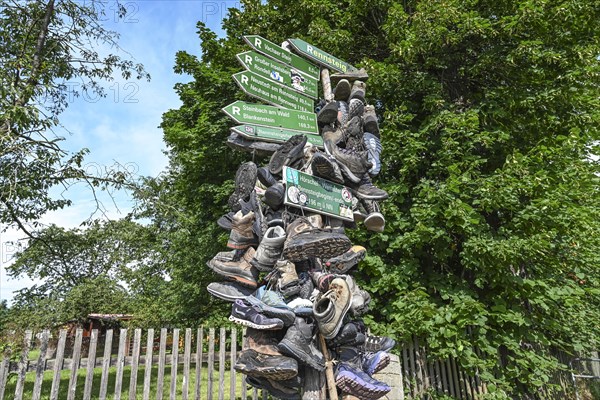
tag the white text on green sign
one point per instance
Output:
(275, 135)
(265, 89)
(316, 194)
(270, 49)
(279, 73)
(277, 117)
(319, 56)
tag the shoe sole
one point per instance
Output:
(383, 362)
(358, 388)
(245, 180)
(277, 374)
(224, 297)
(342, 90)
(289, 349)
(342, 267)
(235, 278)
(375, 222)
(270, 327)
(327, 247)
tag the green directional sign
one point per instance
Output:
(319, 56)
(270, 49)
(275, 135)
(271, 92)
(278, 72)
(317, 194)
(276, 117)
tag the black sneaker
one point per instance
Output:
(349, 335)
(366, 190)
(260, 365)
(373, 343)
(248, 315)
(344, 262)
(374, 220)
(353, 164)
(257, 147)
(298, 343)
(245, 179)
(327, 168)
(226, 220)
(288, 153)
(356, 108)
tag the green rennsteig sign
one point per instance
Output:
(316, 194)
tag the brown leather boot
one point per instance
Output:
(241, 235)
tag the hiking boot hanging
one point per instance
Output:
(270, 248)
(331, 308)
(342, 90)
(240, 271)
(242, 235)
(288, 153)
(299, 344)
(370, 122)
(305, 241)
(245, 179)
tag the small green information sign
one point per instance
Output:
(276, 117)
(275, 135)
(270, 49)
(319, 56)
(317, 194)
(271, 92)
(278, 72)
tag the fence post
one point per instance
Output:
(60, 351)
(91, 364)
(23, 366)
(39, 368)
(75, 358)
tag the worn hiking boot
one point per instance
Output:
(265, 177)
(353, 135)
(288, 283)
(373, 146)
(322, 280)
(305, 241)
(370, 122)
(279, 389)
(257, 147)
(331, 138)
(331, 308)
(228, 291)
(245, 179)
(275, 195)
(262, 341)
(242, 235)
(298, 343)
(374, 221)
(358, 91)
(342, 112)
(255, 364)
(352, 75)
(326, 167)
(358, 383)
(360, 298)
(342, 90)
(240, 271)
(328, 114)
(288, 153)
(353, 164)
(246, 314)
(270, 248)
(344, 262)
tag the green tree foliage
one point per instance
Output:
(78, 272)
(45, 46)
(490, 126)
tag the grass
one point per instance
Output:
(65, 374)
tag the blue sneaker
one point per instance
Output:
(249, 315)
(359, 383)
(372, 363)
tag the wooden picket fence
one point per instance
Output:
(188, 364)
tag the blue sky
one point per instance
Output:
(121, 131)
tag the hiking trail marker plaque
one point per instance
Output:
(316, 194)
(275, 135)
(319, 56)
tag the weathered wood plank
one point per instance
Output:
(199, 345)
(174, 364)
(106, 363)
(4, 367)
(161, 364)
(406, 369)
(148, 364)
(413, 367)
(89, 376)
(232, 360)
(186, 364)
(75, 364)
(222, 364)
(135, 358)
(120, 363)
(60, 352)
(39, 368)
(244, 384)
(22, 367)
(211, 363)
